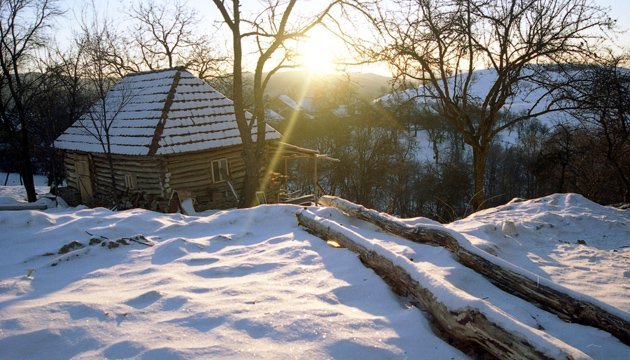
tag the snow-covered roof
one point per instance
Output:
(272, 115)
(158, 113)
(288, 101)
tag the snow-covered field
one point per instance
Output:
(252, 284)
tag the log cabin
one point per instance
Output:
(167, 132)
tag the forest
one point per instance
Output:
(442, 150)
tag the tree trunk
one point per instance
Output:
(110, 163)
(26, 168)
(252, 164)
(252, 174)
(624, 179)
(463, 327)
(540, 292)
(479, 169)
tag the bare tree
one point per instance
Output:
(270, 30)
(59, 101)
(206, 63)
(22, 31)
(162, 31)
(441, 43)
(166, 36)
(99, 49)
(600, 95)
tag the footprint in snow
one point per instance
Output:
(144, 300)
(200, 261)
(123, 349)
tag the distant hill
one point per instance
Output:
(526, 95)
(368, 86)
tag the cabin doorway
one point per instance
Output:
(84, 177)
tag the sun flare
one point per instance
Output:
(318, 53)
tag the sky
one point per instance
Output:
(320, 45)
(620, 10)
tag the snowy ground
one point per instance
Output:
(252, 284)
(237, 284)
(14, 191)
(460, 288)
(563, 237)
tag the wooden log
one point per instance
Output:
(541, 292)
(25, 206)
(468, 327)
(305, 199)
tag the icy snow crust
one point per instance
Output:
(236, 284)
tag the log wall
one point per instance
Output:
(148, 172)
(192, 172)
(158, 176)
(71, 174)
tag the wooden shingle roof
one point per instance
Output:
(158, 113)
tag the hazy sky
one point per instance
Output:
(619, 9)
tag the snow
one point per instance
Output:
(566, 238)
(290, 102)
(136, 104)
(236, 284)
(460, 288)
(526, 96)
(252, 284)
(14, 193)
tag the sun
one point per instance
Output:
(319, 52)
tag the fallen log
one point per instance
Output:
(541, 292)
(465, 326)
(23, 206)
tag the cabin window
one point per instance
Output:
(220, 171)
(130, 182)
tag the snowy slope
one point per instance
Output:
(252, 284)
(563, 237)
(238, 284)
(525, 97)
(460, 288)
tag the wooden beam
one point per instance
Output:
(304, 199)
(541, 292)
(25, 206)
(315, 197)
(326, 157)
(468, 326)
